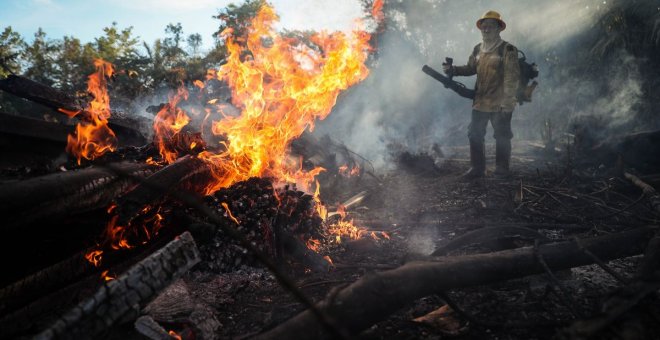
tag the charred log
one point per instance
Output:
(493, 237)
(127, 128)
(33, 128)
(371, 299)
(42, 282)
(171, 177)
(120, 299)
(65, 193)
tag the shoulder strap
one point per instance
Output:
(475, 52)
(500, 49)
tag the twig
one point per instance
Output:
(600, 263)
(564, 296)
(494, 324)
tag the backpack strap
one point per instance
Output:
(475, 51)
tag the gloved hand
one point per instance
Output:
(448, 69)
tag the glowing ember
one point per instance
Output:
(327, 258)
(224, 205)
(107, 277)
(313, 244)
(174, 335)
(93, 137)
(94, 257)
(345, 228)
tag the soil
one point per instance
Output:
(424, 207)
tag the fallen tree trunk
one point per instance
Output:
(120, 299)
(373, 298)
(63, 193)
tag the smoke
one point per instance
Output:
(398, 104)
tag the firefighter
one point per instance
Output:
(495, 62)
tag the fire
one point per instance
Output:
(138, 231)
(94, 257)
(282, 88)
(345, 228)
(313, 244)
(231, 216)
(168, 123)
(377, 10)
(346, 172)
(174, 335)
(93, 137)
(327, 258)
(107, 277)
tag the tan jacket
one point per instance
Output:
(497, 78)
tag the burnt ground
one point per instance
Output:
(423, 205)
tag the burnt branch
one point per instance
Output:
(119, 300)
(373, 298)
(65, 193)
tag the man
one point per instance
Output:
(495, 62)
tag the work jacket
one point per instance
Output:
(498, 76)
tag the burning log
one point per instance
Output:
(119, 299)
(63, 286)
(65, 193)
(372, 298)
(126, 127)
(170, 177)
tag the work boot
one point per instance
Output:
(502, 157)
(477, 161)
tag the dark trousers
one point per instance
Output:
(501, 122)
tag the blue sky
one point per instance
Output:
(85, 19)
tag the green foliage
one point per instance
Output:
(11, 45)
(141, 67)
(39, 56)
(237, 18)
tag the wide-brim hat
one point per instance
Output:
(492, 15)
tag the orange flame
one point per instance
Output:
(174, 335)
(224, 205)
(93, 137)
(94, 257)
(107, 277)
(282, 88)
(313, 244)
(327, 258)
(377, 10)
(345, 228)
(168, 122)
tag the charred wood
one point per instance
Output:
(32, 317)
(42, 282)
(127, 128)
(372, 298)
(65, 193)
(39, 93)
(34, 128)
(492, 237)
(119, 300)
(170, 177)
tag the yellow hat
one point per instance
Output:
(491, 15)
